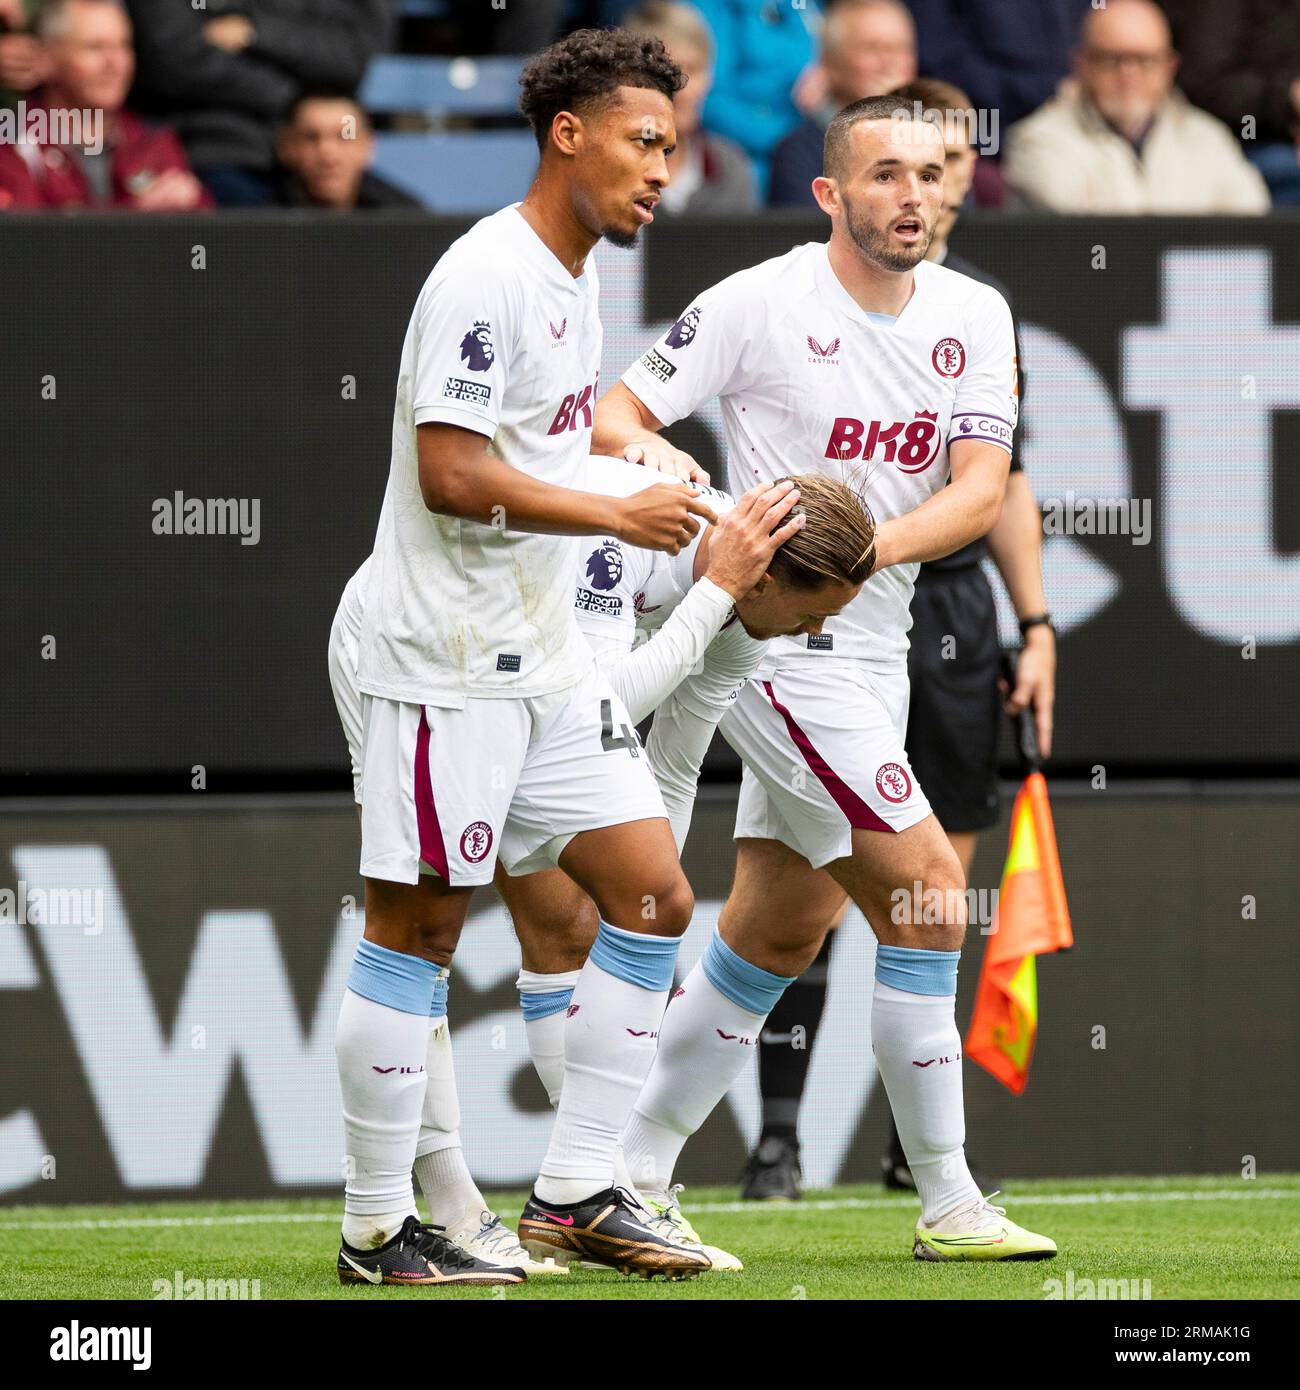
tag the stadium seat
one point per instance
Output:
(441, 87)
(462, 171)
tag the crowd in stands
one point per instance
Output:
(1133, 106)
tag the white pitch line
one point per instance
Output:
(1057, 1199)
(147, 1222)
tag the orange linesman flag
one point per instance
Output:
(1031, 919)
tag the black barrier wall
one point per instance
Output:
(169, 994)
(252, 361)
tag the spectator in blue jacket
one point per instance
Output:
(1009, 57)
(763, 49)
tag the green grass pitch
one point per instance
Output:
(1191, 1237)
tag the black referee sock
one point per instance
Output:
(785, 1047)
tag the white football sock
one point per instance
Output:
(546, 1042)
(918, 1051)
(545, 1000)
(381, 1062)
(546, 1048)
(622, 1174)
(609, 1044)
(450, 1192)
(706, 1041)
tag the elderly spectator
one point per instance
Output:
(89, 151)
(325, 148)
(22, 55)
(1124, 139)
(1241, 62)
(763, 69)
(709, 172)
(868, 49)
(1009, 57)
(227, 74)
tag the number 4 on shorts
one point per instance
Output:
(628, 738)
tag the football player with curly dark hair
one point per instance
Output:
(488, 730)
(600, 103)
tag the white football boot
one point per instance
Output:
(668, 1219)
(485, 1236)
(979, 1231)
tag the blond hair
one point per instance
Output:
(836, 543)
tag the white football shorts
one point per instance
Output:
(822, 745)
(447, 791)
(343, 682)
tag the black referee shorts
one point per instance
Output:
(955, 711)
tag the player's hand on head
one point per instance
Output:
(747, 537)
(660, 454)
(664, 517)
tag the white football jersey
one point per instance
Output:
(611, 573)
(623, 593)
(505, 342)
(689, 673)
(666, 641)
(811, 383)
(622, 588)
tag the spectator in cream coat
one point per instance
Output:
(1121, 138)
